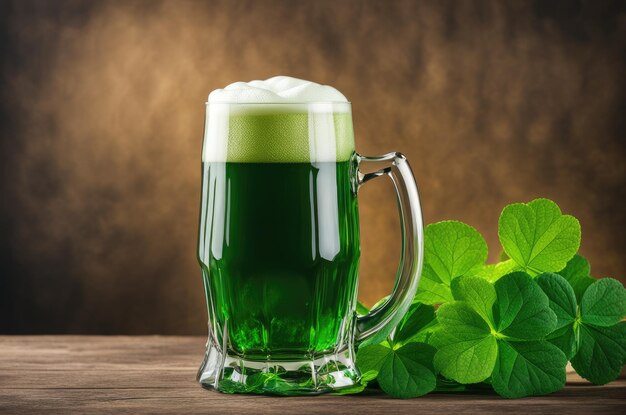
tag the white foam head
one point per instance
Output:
(276, 90)
(281, 119)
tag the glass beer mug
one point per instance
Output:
(279, 244)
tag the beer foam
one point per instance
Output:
(276, 90)
(279, 120)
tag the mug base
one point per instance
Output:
(234, 374)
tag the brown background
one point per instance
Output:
(102, 117)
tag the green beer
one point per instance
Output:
(282, 270)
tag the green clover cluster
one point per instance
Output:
(511, 326)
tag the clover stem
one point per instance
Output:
(578, 319)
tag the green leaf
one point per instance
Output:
(565, 339)
(478, 293)
(371, 358)
(537, 236)
(407, 372)
(493, 272)
(430, 291)
(578, 273)
(601, 353)
(522, 310)
(451, 249)
(369, 376)
(563, 303)
(561, 296)
(528, 368)
(419, 317)
(424, 335)
(351, 390)
(467, 350)
(604, 303)
(486, 272)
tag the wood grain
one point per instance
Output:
(156, 374)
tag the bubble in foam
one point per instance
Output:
(279, 89)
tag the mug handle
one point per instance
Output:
(378, 324)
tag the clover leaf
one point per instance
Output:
(563, 303)
(417, 325)
(496, 331)
(528, 368)
(512, 325)
(466, 347)
(537, 236)
(451, 249)
(478, 293)
(403, 364)
(371, 358)
(404, 372)
(604, 303)
(592, 334)
(522, 310)
(408, 372)
(601, 352)
(578, 273)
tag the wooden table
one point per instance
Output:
(156, 374)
